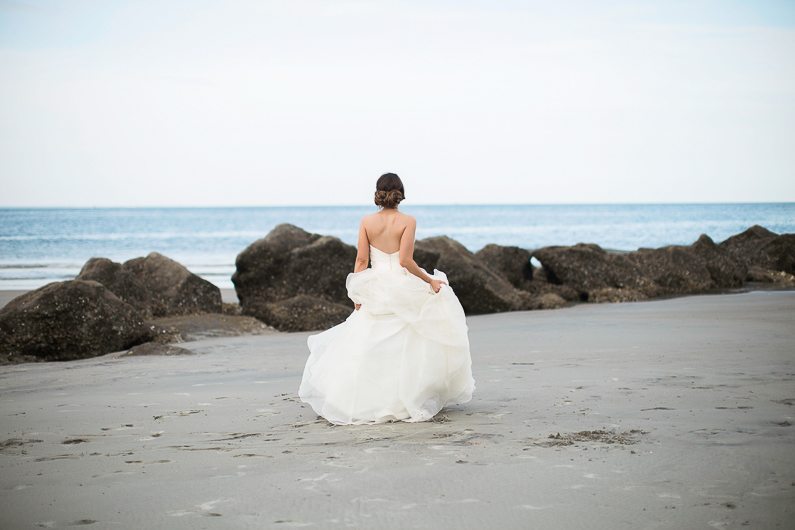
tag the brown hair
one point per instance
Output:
(389, 191)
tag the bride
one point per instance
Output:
(403, 353)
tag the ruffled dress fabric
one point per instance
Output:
(403, 356)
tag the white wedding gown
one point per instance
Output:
(404, 355)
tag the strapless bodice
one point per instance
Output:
(380, 260)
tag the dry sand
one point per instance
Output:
(688, 403)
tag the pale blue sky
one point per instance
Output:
(109, 103)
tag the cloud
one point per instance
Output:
(145, 103)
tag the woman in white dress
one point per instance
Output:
(403, 353)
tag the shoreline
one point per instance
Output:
(229, 296)
(671, 413)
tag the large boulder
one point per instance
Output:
(479, 288)
(589, 268)
(155, 284)
(425, 258)
(290, 262)
(121, 281)
(69, 320)
(675, 269)
(172, 288)
(726, 271)
(759, 247)
(779, 254)
(745, 245)
(510, 261)
(513, 263)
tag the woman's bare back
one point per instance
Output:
(385, 229)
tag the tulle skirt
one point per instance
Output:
(404, 355)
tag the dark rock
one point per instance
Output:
(724, 269)
(760, 247)
(512, 262)
(155, 284)
(426, 259)
(541, 285)
(231, 309)
(746, 243)
(290, 261)
(69, 320)
(600, 276)
(675, 269)
(119, 280)
(302, 313)
(778, 254)
(587, 267)
(173, 287)
(164, 334)
(479, 288)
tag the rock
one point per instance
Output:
(231, 309)
(778, 254)
(426, 259)
(512, 262)
(541, 285)
(119, 280)
(758, 274)
(302, 313)
(68, 320)
(760, 247)
(164, 334)
(724, 269)
(745, 244)
(612, 294)
(155, 348)
(675, 269)
(550, 301)
(173, 289)
(587, 267)
(600, 276)
(155, 284)
(290, 261)
(294, 280)
(479, 288)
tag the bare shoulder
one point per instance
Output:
(408, 219)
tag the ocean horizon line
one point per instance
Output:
(359, 205)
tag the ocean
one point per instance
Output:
(41, 245)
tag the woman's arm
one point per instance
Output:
(407, 251)
(362, 250)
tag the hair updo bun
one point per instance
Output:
(389, 191)
(388, 199)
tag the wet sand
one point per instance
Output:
(6, 295)
(666, 414)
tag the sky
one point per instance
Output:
(298, 102)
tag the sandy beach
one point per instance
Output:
(687, 404)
